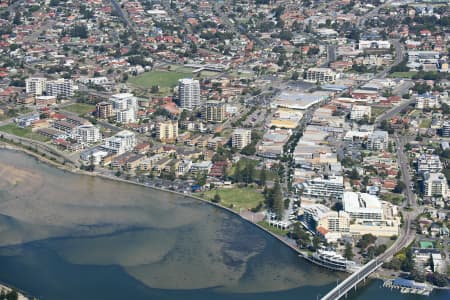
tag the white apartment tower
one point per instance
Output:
(189, 93)
(35, 86)
(60, 87)
(241, 138)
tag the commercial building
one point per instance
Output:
(60, 87)
(241, 138)
(335, 221)
(214, 111)
(104, 110)
(272, 143)
(35, 86)
(378, 140)
(435, 185)
(360, 111)
(320, 75)
(167, 131)
(362, 206)
(123, 141)
(374, 44)
(189, 93)
(88, 134)
(330, 188)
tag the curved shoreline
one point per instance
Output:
(52, 163)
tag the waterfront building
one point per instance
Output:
(88, 134)
(241, 138)
(35, 86)
(362, 206)
(122, 142)
(167, 131)
(330, 188)
(65, 127)
(189, 93)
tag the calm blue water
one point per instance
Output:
(64, 236)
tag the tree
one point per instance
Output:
(154, 89)
(366, 240)
(316, 242)
(431, 263)
(278, 205)
(439, 279)
(348, 252)
(262, 176)
(17, 19)
(399, 187)
(216, 198)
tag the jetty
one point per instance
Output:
(408, 286)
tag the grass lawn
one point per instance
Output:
(403, 74)
(237, 198)
(23, 132)
(376, 111)
(80, 108)
(425, 123)
(396, 199)
(163, 79)
(272, 228)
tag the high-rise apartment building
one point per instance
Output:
(241, 138)
(214, 111)
(189, 93)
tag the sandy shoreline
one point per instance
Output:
(8, 289)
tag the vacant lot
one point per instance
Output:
(80, 108)
(237, 198)
(23, 132)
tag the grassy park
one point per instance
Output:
(23, 132)
(425, 123)
(403, 74)
(163, 79)
(80, 108)
(237, 198)
(273, 229)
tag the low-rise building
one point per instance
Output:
(320, 75)
(359, 112)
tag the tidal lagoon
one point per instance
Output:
(67, 236)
